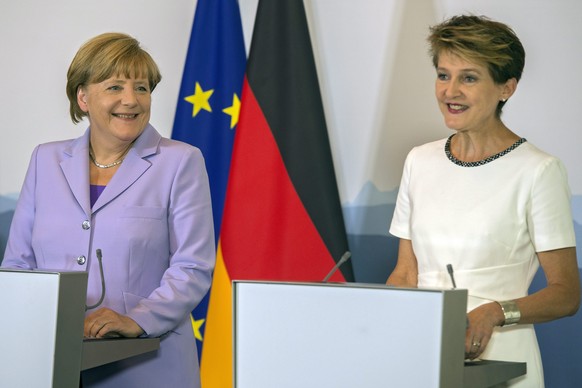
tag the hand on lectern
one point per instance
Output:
(106, 323)
(481, 320)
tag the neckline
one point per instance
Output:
(482, 161)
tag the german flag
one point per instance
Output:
(282, 217)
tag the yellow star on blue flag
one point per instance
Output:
(233, 111)
(199, 100)
(196, 325)
(213, 74)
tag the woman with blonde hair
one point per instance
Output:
(123, 200)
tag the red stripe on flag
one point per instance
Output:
(266, 233)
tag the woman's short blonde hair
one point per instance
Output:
(103, 57)
(480, 40)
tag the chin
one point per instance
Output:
(451, 126)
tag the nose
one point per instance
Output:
(129, 97)
(453, 89)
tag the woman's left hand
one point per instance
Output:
(105, 323)
(482, 320)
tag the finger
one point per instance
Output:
(484, 343)
(102, 330)
(471, 344)
(112, 334)
(90, 328)
(113, 328)
(96, 328)
(108, 329)
(473, 348)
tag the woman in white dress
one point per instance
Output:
(487, 202)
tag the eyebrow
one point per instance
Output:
(466, 70)
(124, 81)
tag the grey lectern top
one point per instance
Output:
(97, 352)
(487, 373)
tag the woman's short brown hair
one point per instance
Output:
(103, 57)
(480, 40)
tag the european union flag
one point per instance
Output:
(209, 101)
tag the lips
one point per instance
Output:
(457, 108)
(126, 116)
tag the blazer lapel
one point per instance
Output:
(134, 165)
(75, 167)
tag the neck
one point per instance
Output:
(107, 161)
(472, 146)
(104, 158)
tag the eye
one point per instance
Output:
(442, 76)
(142, 89)
(114, 88)
(470, 79)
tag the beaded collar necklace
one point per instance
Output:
(483, 161)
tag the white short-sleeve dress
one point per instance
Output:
(487, 219)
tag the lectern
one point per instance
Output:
(41, 322)
(353, 335)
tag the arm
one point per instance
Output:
(177, 276)
(192, 251)
(550, 226)
(19, 252)
(405, 273)
(560, 298)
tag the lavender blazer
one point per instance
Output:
(153, 223)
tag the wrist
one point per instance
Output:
(511, 312)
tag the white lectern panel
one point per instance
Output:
(22, 330)
(337, 335)
(42, 328)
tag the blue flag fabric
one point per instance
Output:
(209, 102)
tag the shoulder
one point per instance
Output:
(178, 146)
(528, 149)
(431, 154)
(530, 156)
(430, 148)
(179, 153)
(154, 147)
(538, 169)
(172, 155)
(59, 149)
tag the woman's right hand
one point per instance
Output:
(482, 321)
(106, 323)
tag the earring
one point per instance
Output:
(504, 99)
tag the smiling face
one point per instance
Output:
(467, 95)
(118, 109)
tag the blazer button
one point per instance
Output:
(86, 225)
(81, 260)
